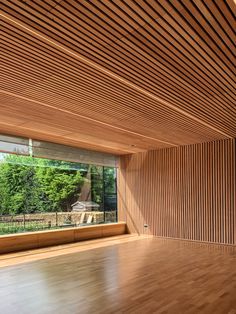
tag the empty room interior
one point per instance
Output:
(117, 156)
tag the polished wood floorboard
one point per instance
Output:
(125, 274)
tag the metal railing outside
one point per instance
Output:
(10, 224)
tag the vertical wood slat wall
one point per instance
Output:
(186, 192)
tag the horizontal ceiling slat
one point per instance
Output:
(64, 84)
(161, 72)
(90, 48)
(148, 127)
(24, 54)
(62, 120)
(212, 95)
(166, 91)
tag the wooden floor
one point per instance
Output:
(125, 274)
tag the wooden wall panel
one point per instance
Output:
(186, 192)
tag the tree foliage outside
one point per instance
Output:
(103, 185)
(29, 185)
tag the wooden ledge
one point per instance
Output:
(38, 239)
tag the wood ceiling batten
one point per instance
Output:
(25, 56)
(158, 70)
(205, 55)
(232, 5)
(117, 77)
(83, 117)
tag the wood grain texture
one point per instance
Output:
(37, 239)
(123, 276)
(21, 257)
(119, 76)
(186, 192)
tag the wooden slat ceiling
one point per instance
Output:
(119, 76)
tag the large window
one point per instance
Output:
(42, 194)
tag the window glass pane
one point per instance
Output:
(38, 194)
(15, 145)
(62, 152)
(41, 149)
